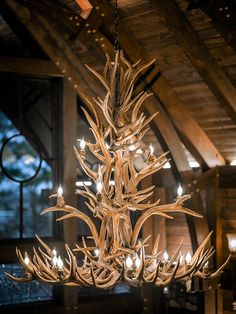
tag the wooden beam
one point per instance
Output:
(164, 93)
(28, 66)
(86, 8)
(198, 54)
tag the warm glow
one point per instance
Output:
(132, 147)
(151, 149)
(233, 162)
(129, 262)
(27, 260)
(231, 237)
(99, 187)
(188, 258)
(60, 191)
(179, 190)
(96, 252)
(181, 259)
(167, 165)
(82, 144)
(82, 183)
(54, 261)
(107, 145)
(165, 256)
(194, 164)
(137, 262)
(59, 262)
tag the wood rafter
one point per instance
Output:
(198, 54)
(29, 66)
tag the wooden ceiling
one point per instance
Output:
(194, 77)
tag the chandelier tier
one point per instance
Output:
(118, 253)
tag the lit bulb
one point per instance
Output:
(60, 191)
(233, 245)
(54, 252)
(165, 256)
(99, 187)
(188, 258)
(107, 145)
(59, 263)
(132, 147)
(181, 259)
(96, 252)
(27, 260)
(82, 144)
(129, 262)
(137, 262)
(151, 149)
(206, 264)
(54, 261)
(180, 190)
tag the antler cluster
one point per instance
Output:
(118, 254)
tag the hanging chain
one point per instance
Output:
(116, 47)
(116, 41)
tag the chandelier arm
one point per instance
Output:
(86, 169)
(87, 220)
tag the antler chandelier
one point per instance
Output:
(117, 254)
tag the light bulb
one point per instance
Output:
(151, 149)
(82, 144)
(179, 190)
(188, 258)
(132, 147)
(165, 256)
(54, 252)
(129, 262)
(27, 260)
(60, 191)
(96, 252)
(99, 187)
(107, 145)
(137, 262)
(181, 259)
(54, 261)
(206, 264)
(59, 262)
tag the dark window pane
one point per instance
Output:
(15, 293)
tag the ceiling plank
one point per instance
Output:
(198, 54)
(164, 93)
(28, 66)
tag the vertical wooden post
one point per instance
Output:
(69, 125)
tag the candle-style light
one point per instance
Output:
(60, 191)
(54, 261)
(150, 155)
(129, 262)
(188, 258)
(179, 191)
(165, 256)
(96, 252)
(54, 252)
(137, 262)
(60, 198)
(99, 187)
(231, 237)
(26, 260)
(82, 146)
(59, 263)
